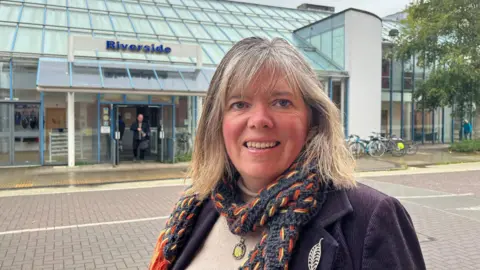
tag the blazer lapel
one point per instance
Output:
(316, 247)
(205, 221)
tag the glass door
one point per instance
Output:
(19, 134)
(26, 134)
(5, 134)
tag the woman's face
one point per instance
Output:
(264, 130)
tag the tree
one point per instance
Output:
(445, 36)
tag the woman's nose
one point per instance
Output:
(261, 117)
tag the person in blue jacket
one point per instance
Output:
(467, 129)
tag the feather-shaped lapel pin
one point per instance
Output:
(315, 255)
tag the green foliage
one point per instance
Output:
(466, 146)
(184, 157)
(444, 35)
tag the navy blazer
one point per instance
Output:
(361, 228)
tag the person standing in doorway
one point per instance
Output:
(141, 135)
(121, 129)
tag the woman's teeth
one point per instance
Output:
(261, 145)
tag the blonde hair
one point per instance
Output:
(325, 142)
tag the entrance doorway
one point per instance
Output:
(159, 119)
(19, 133)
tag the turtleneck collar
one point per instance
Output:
(247, 194)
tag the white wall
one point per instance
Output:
(363, 61)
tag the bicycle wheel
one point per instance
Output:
(356, 149)
(412, 148)
(376, 148)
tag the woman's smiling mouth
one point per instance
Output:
(261, 145)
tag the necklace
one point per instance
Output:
(239, 249)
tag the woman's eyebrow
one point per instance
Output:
(282, 93)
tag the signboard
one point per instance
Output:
(105, 129)
(89, 43)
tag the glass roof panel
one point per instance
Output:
(79, 19)
(77, 4)
(33, 15)
(176, 2)
(246, 20)
(115, 6)
(215, 32)
(216, 17)
(203, 4)
(195, 81)
(214, 51)
(115, 75)
(201, 16)
(53, 72)
(143, 78)
(231, 19)
(190, 3)
(142, 25)
(101, 21)
(282, 13)
(32, 1)
(269, 11)
(29, 40)
(287, 25)
(97, 4)
(168, 12)
(62, 3)
(133, 8)
(151, 10)
(293, 14)
(185, 14)
(56, 17)
(259, 33)
(198, 31)
(161, 27)
(180, 29)
(55, 42)
(244, 32)
(171, 80)
(232, 34)
(259, 21)
(274, 23)
(217, 5)
(7, 32)
(86, 74)
(208, 73)
(122, 23)
(9, 12)
(161, 1)
(257, 10)
(231, 7)
(243, 8)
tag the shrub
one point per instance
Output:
(466, 146)
(183, 158)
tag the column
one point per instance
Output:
(71, 128)
(342, 100)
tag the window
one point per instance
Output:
(56, 17)
(385, 74)
(32, 15)
(101, 22)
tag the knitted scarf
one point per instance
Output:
(281, 208)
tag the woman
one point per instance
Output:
(273, 184)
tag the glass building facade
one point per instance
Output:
(42, 93)
(40, 90)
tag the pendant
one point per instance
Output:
(239, 249)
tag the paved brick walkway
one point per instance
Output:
(116, 229)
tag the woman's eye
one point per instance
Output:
(238, 105)
(283, 103)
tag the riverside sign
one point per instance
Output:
(91, 44)
(115, 46)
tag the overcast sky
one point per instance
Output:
(379, 7)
